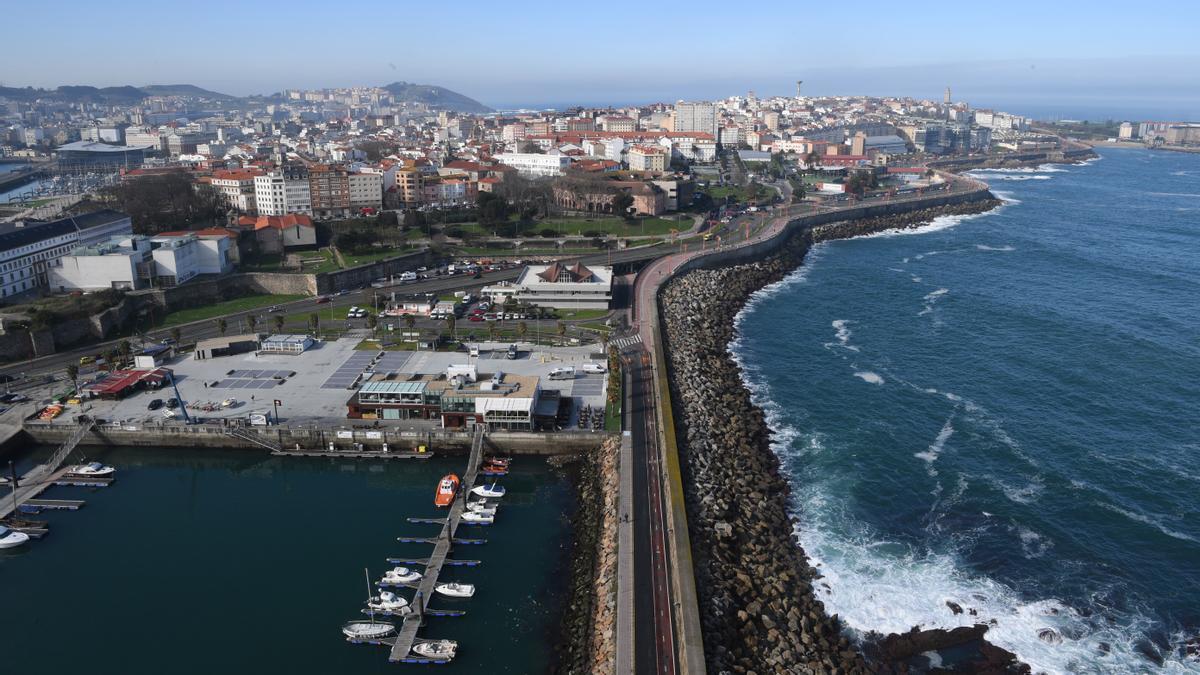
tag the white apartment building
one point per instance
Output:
(283, 191)
(237, 187)
(696, 117)
(27, 251)
(176, 259)
(366, 190)
(647, 158)
(534, 164)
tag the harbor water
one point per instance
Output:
(235, 561)
(993, 418)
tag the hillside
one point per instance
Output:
(438, 98)
(117, 95)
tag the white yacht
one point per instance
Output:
(493, 491)
(388, 602)
(11, 538)
(454, 589)
(482, 508)
(436, 649)
(400, 575)
(478, 518)
(91, 469)
(367, 630)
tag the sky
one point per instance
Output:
(1066, 58)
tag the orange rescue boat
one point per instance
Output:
(447, 490)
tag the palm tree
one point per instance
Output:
(450, 321)
(110, 357)
(409, 321)
(176, 335)
(124, 349)
(562, 329)
(314, 323)
(222, 325)
(73, 376)
(522, 329)
(492, 328)
(372, 322)
(279, 323)
(251, 322)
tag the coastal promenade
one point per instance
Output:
(662, 547)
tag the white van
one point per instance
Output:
(408, 276)
(594, 368)
(567, 373)
(474, 351)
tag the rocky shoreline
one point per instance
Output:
(587, 642)
(758, 609)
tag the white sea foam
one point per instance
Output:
(1174, 194)
(916, 279)
(931, 300)
(931, 454)
(985, 247)
(868, 376)
(988, 178)
(936, 225)
(1156, 523)
(1033, 545)
(1006, 197)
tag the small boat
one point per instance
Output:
(447, 490)
(436, 649)
(388, 602)
(229, 403)
(11, 538)
(454, 589)
(481, 507)
(367, 630)
(489, 491)
(357, 630)
(401, 575)
(478, 518)
(498, 461)
(91, 469)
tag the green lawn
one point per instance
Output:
(355, 259)
(524, 251)
(615, 226)
(222, 308)
(595, 325)
(612, 411)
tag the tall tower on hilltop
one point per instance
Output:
(946, 98)
(798, 83)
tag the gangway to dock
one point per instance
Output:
(407, 637)
(33, 484)
(244, 435)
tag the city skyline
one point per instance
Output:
(1027, 56)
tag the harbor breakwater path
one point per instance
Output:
(756, 603)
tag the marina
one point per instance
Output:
(195, 527)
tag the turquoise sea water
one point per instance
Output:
(224, 561)
(1001, 411)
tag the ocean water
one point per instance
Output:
(231, 561)
(1001, 411)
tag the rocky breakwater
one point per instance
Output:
(588, 641)
(758, 609)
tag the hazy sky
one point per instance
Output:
(542, 53)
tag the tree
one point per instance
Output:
(251, 323)
(222, 325)
(531, 147)
(492, 330)
(168, 201)
(409, 321)
(124, 348)
(73, 375)
(176, 335)
(110, 357)
(622, 205)
(493, 208)
(278, 318)
(450, 321)
(314, 323)
(372, 321)
(522, 329)
(562, 329)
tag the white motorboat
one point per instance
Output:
(91, 469)
(401, 575)
(436, 649)
(454, 589)
(11, 538)
(478, 517)
(388, 602)
(367, 630)
(493, 491)
(481, 507)
(229, 403)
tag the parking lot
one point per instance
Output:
(313, 387)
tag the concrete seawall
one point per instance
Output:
(215, 436)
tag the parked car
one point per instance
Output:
(155, 404)
(172, 403)
(475, 317)
(489, 317)
(322, 299)
(594, 368)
